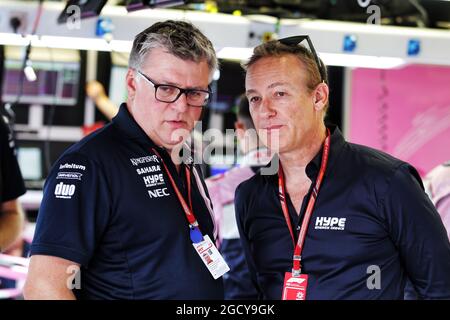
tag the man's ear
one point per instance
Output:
(131, 83)
(320, 97)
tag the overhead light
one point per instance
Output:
(99, 44)
(361, 61)
(332, 59)
(13, 39)
(121, 46)
(83, 43)
(231, 53)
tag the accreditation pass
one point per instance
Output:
(211, 257)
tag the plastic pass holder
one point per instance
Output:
(211, 257)
(294, 287)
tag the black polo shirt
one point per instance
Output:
(109, 206)
(11, 182)
(371, 215)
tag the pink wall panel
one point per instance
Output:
(404, 112)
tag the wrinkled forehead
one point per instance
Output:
(272, 70)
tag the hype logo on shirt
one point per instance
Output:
(330, 223)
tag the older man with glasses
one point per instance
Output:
(337, 220)
(121, 207)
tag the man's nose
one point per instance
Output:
(267, 108)
(181, 104)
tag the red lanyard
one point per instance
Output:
(296, 271)
(188, 211)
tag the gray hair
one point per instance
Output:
(180, 38)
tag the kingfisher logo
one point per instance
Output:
(64, 191)
(137, 161)
(330, 223)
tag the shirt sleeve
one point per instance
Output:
(240, 209)
(443, 207)
(11, 184)
(75, 210)
(417, 231)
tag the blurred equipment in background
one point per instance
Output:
(56, 82)
(415, 13)
(393, 12)
(438, 13)
(421, 13)
(133, 5)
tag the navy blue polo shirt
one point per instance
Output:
(109, 206)
(371, 218)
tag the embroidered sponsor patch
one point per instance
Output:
(158, 193)
(72, 166)
(64, 191)
(330, 223)
(143, 160)
(153, 180)
(69, 175)
(150, 169)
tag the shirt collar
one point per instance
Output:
(336, 144)
(125, 122)
(313, 167)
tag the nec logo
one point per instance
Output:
(330, 223)
(64, 191)
(158, 193)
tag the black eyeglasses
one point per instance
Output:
(295, 41)
(169, 93)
